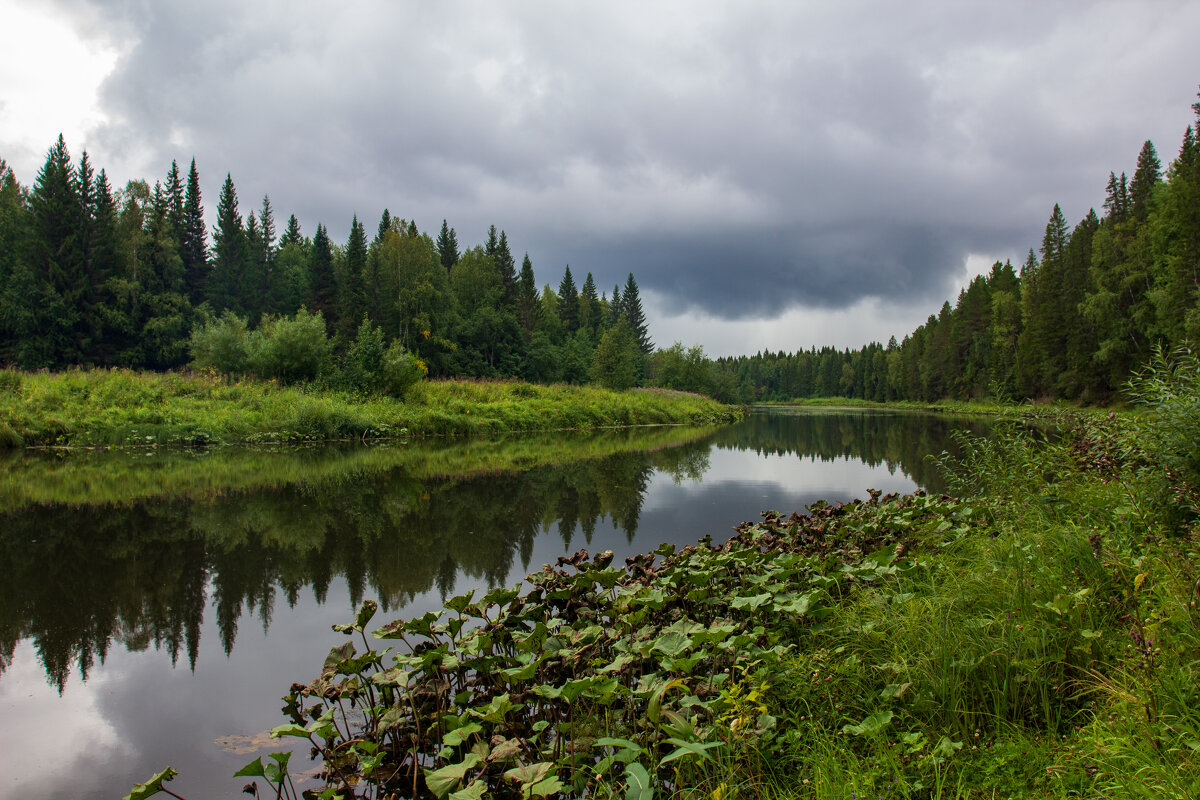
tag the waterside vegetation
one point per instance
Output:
(1037, 636)
(124, 408)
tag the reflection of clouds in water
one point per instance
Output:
(47, 735)
(779, 475)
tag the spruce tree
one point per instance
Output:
(352, 299)
(447, 246)
(568, 302)
(385, 222)
(228, 252)
(1145, 178)
(55, 259)
(322, 285)
(194, 240)
(176, 202)
(631, 307)
(589, 307)
(291, 234)
(527, 298)
(507, 267)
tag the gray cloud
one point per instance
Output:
(742, 159)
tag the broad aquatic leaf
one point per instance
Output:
(252, 770)
(751, 602)
(152, 786)
(290, 729)
(474, 791)
(456, 737)
(442, 781)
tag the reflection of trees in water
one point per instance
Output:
(139, 574)
(899, 440)
(80, 579)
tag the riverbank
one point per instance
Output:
(1040, 639)
(89, 408)
(951, 407)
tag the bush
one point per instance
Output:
(401, 370)
(1169, 431)
(291, 350)
(221, 345)
(362, 365)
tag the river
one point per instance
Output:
(158, 603)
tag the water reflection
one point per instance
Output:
(131, 550)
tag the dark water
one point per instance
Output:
(157, 605)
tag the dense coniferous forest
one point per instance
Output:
(96, 277)
(1073, 322)
(93, 276)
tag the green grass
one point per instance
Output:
(123, 408)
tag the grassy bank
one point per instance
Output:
(953, 407)
(122, 408)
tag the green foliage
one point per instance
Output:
(401, 371)
(290, 350)
(617, 361)
(221, 345)
(1168, 390)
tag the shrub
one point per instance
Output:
(1169, 432)
(291, 350)
(362, 365)
(221, 345)
(401, 370)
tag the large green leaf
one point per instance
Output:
(442, 781)
(637, 783)
(152, 786)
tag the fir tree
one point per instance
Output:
(527, 298)
(291, 234)
(352, 299)
(322, 286)
(228, 252)
(194, 240)
(1145, 178)
(447, 246)
(385, 223)
(631, 307)
(55, 259)
(507, 267)
(589, 307)
(568, 302)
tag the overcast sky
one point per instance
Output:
(776, 174)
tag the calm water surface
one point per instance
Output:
(157, 605)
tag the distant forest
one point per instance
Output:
(93, 277)
(1079, 317)
(90, 276)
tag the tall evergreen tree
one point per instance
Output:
(322, 285)
(176, 202)
(352, 299)
(507, 267)
(194, 240)
(55, 259)
(292, 233)
(228, 252)
(631, 306)
(1145, 178)
(589, 308)
(447, 245)
(385, 223)
(527, 298)
(568, 302)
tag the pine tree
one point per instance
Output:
(194, 240)
(228, 252)
(447, 245)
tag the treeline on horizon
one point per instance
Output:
(1079, 318)
(94, 277)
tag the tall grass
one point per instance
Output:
(118, 407)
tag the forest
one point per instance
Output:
(1074, 322)
(95, 277)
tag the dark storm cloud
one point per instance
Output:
(740, 159)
